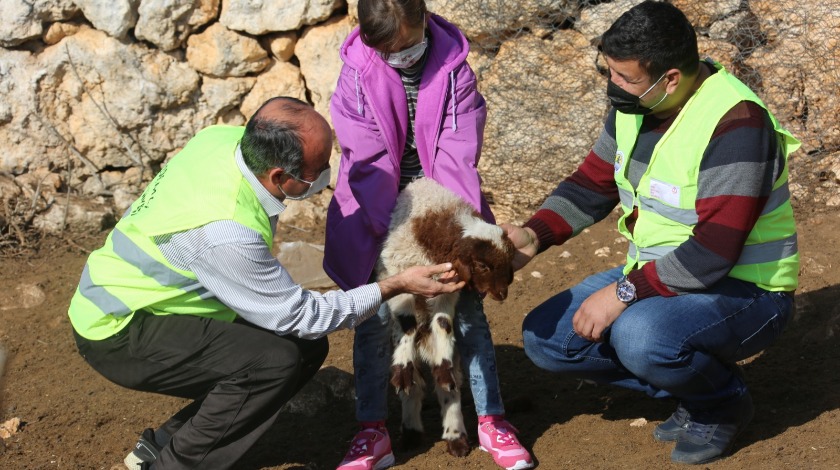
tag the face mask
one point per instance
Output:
(314, 186)
(407, 58)
(629, 103)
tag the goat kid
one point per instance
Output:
(432, 225)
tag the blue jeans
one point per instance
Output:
(684, 346)
(372, 360)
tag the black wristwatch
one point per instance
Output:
(625, 291)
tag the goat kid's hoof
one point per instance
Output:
(410, 438)
(458, 447)
(402, 377)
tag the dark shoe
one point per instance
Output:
(708, 436)
(146, 451)
(671, 428)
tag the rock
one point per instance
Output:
(167, 23)
(58, 31)
(282, 46)
(269, 16)
(596, 20)
(24, 296)
(328, 384)
(546, 105)
(736, 29)
(82, 214)
(17, 25)
(793, 65)
(489, 22)
(317, 51)
(280, 79)
(123, 198)
(353, 10)
(225, 95)
(112, 101)
(724, 52)
(304, 262)
(17, 70)
(703, 14)
(308, 214)
(115, 17)
(220, 52)
(9, 428)
(9, 190)
(23, 20)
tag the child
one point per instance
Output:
(406, 107)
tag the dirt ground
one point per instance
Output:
(73, 418)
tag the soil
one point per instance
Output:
(73, 418)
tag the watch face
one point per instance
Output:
(626, 292)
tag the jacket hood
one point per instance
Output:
(448, 45)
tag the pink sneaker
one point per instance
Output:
(499, 439)
(370, 450)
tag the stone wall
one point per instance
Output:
(97, 95)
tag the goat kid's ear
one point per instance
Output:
(463, 270)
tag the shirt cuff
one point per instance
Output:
(545, 235)
(368, 299)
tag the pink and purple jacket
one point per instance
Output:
(370, 115)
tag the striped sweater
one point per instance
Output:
(737, 172)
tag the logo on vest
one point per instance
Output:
(619, 160)
(149, 194)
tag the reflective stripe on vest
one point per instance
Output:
(135, 256)
(751, 254)
(777, 197)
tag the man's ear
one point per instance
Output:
(674, 76)
(275, 176)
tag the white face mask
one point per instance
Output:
(407, 58)
(314, 186)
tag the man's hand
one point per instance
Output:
(419, 280)
(596, 313)
(526, 243)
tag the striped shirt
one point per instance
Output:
(236, 266)
(410, 168)
(737, 172)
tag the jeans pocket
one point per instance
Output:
(773, 313)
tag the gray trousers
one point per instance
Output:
(238, 375)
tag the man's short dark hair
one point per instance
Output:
(271, 143)
(657, 35)
(380, 20)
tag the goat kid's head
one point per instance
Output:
(484, 266)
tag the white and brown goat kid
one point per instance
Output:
(432, 225)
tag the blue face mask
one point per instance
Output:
(629, 103)
(406, 58)
(314, 186)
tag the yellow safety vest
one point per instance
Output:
(667, 191)
(201, 184)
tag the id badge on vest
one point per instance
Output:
(665, 192)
